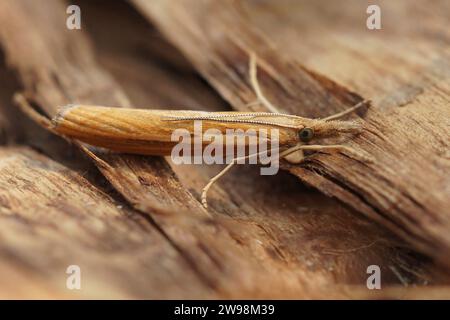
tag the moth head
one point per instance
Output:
(315, 131)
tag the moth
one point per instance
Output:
(148, 132)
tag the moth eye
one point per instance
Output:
(306, 134)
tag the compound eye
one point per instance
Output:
(306, 134)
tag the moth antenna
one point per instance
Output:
(349, 110)
(237, 121)
(232, 115)
(257, 122)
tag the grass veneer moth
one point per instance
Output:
(148, 132)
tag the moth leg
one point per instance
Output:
(254, 103)
(212, 181)
(255, 85)
(220, 174)
(336, 148)
(325, 147)
(347, 111)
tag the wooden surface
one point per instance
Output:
(403, 68)
(134, 224)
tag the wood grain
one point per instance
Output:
(52, 217)
(53, 76)
(307, 231)
(406, 189)
(264, 238)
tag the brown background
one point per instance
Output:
(134, 224)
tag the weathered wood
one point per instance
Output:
(267, 237)
(52, 217)
(53, 75)
(406, 188)
(317, 239)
